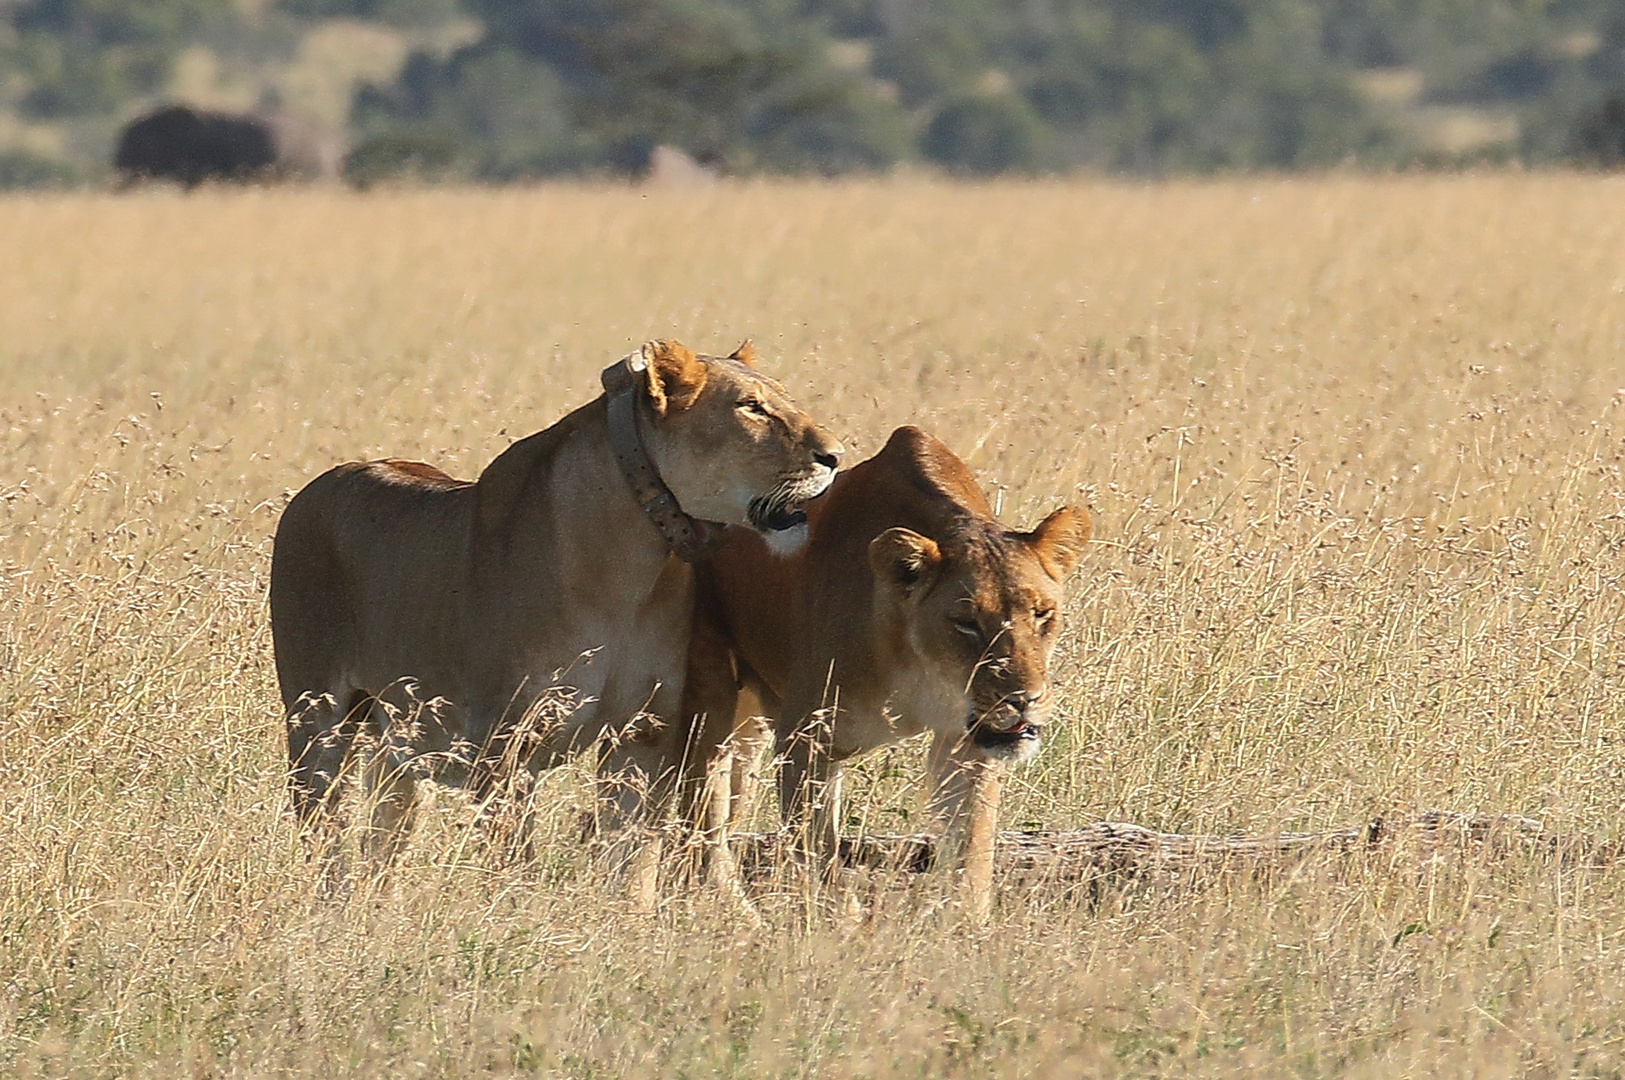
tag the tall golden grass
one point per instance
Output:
(1355, 450)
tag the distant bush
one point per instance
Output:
(1599, 136)
(985, 135)
(507, 114)
(390, 12)
(584, 85)
(847, 132)
(423, 154)
(21, 169)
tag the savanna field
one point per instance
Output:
(1356, 453)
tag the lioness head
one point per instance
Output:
(730, 443)
(982, 611)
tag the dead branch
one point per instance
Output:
(1118, 849)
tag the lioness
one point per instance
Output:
(442, 614)
(910, 609)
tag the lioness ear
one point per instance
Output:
(673, 374)
(1058, 541)
(745, 354)
(905, 560)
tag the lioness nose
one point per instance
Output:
(828, 458)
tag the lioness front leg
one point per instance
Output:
(711, 686)
(950, 776)
(752, 740)
(810, 794)
(965, 788)
(705, 797)
(391, 797)
(637, 779)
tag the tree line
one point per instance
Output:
(971, 87)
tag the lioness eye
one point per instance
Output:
(754, 407)
(1044, 616)
(969, 627)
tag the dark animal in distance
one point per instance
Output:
(191, 146)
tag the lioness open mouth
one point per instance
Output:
(782, 509)
(776, 519)
(1018, 742)
(1022, 731)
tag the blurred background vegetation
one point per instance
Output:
(501, 90)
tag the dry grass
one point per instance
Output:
(1355, 448)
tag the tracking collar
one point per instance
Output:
(690, 539)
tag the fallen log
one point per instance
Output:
(1119, 849)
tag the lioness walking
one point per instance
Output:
(440, 615)
(910, 609)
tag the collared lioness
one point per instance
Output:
(443, 616)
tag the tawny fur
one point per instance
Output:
(865, 637)
(441, 615)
